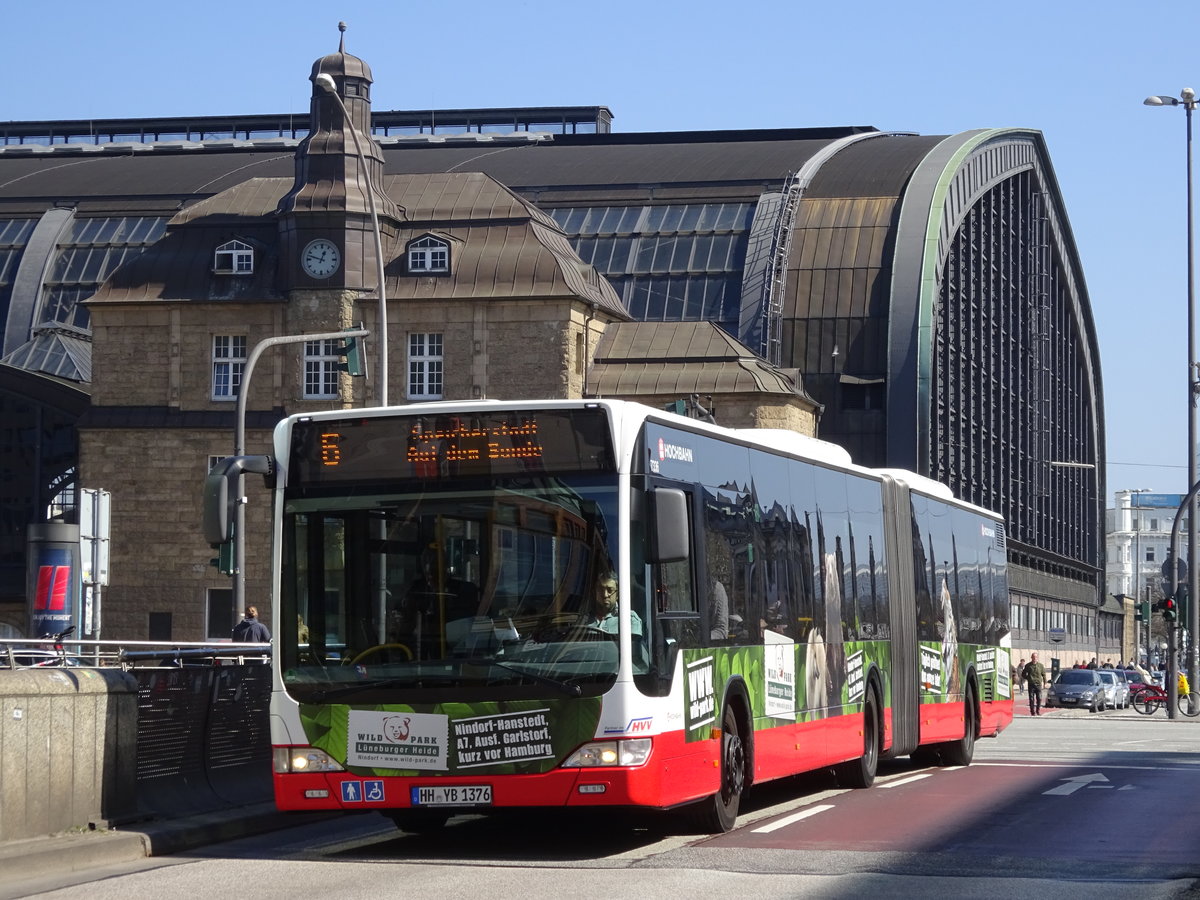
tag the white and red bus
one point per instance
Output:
(596, 603)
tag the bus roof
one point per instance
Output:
(776, 439)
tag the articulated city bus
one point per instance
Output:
(596, 603)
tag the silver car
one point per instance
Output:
(1116, 688)
(1078, 689)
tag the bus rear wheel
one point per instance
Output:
(718, 813)
(962, 751)
(860, 773)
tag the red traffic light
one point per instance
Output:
(1169, 610)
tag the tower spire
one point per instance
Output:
(342, 39)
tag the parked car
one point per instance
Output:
(1077, 689)
(1116, 688)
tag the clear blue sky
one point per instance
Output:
(1076, 71)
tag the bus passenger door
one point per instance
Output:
(670, 576)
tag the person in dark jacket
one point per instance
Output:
(1035, 677)
(250, 630)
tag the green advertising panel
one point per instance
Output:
(495, 738)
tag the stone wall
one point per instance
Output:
(68, 750)
(499, 349)
(159, 560)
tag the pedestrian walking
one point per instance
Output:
(1034, 674)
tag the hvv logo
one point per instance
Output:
(635, 726)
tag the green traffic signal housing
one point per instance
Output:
(355, 353)
(224, 558)
(1170, 610)
(356, 357)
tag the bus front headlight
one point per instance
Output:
(633, 752)
(292, 760)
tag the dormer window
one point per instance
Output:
(428, 255)
(234, 258)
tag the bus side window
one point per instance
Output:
(677, 612)
(722, 526)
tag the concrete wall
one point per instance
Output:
(68, 750)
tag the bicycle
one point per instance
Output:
(1148, 700)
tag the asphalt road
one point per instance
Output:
(1059, 806)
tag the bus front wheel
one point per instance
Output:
(718, 813)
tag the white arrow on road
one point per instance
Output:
(1074, 784)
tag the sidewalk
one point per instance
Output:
(1021, 710)
(41, 856)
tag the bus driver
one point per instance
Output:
(603, 617)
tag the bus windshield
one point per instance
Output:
(471, 589)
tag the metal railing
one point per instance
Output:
(21, 653)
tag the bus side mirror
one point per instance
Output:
(220, 494)
(668, 525)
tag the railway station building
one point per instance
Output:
(916, 299)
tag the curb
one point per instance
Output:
(65, 853)
(57, 854)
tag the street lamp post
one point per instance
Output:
(1187, 99)
(326, 83)
(1137, 574)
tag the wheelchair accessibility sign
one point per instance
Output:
(360, 791)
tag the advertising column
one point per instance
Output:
(53, 578)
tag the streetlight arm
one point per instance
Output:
(239, 448)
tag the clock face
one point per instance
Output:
(321, 258)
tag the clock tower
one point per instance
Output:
(326, 237)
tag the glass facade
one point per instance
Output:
(91, 252)
(669, 263)
(14, 233)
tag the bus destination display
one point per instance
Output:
(450, 446)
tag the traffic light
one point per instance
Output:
(1142, 611)
(355, 352)
(1170, 610)
(224, 558)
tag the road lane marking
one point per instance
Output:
(794, 817)
(1194, 770)
(1071, 785)
(909, 780)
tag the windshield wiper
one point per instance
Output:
(571, 690)
(417, 679)
(322, 695)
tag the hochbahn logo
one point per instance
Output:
(674, 452)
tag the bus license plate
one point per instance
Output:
(453, 795)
